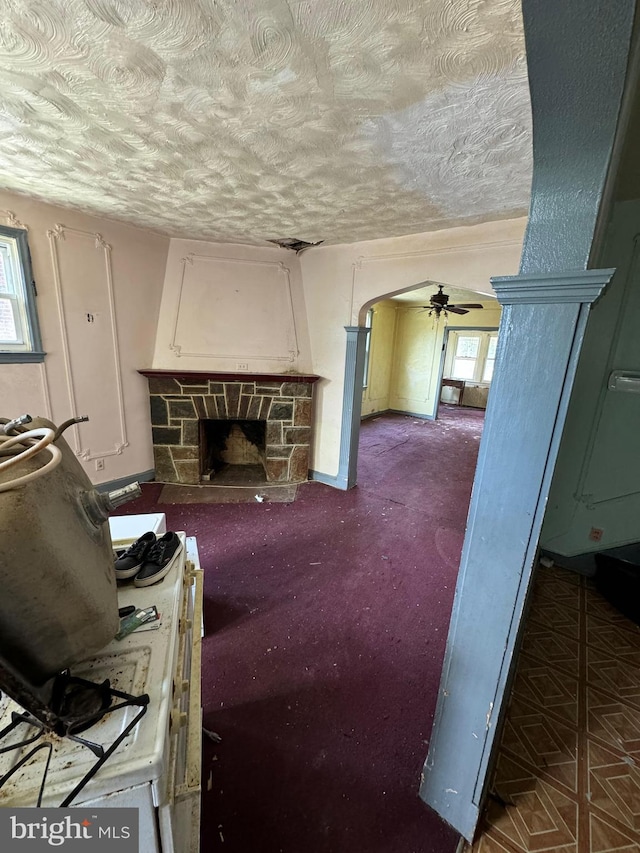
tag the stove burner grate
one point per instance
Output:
(78, 704)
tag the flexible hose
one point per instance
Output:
(56, 459)
(16, 427)
(66, 424)
(45, 436)
(37, 440)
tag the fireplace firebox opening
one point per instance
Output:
(233, 452)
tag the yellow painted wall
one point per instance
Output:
(85, 265)
(375, 397)
(416, 361)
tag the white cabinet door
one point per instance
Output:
(139, 798)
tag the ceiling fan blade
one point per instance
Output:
(469, 305)
(455, 309)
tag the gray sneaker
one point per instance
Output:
(159, 560)
(130, 563)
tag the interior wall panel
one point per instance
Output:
(84, 288)
(218, 297)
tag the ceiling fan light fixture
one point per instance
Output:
(439, 302)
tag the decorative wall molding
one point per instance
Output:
(12, 220)
(57, 233)
(440, 250)
(100, 243)
(190, 261)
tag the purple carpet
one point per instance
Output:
(326, 621)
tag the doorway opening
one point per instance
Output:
(395, 363)
(413, 351)
(468, 360)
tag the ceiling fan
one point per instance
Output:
(439, 303)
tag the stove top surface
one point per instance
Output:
(141, 663)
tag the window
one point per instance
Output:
(19, 330)
(465, 357)
(471, 355)
(487, 372)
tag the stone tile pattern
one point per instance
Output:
(178, 404)
(567, 777)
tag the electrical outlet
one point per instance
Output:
(99, 464)
(242, 365)
(595, 534)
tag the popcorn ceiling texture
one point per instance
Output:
(245, 120)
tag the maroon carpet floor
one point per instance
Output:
(326, 621)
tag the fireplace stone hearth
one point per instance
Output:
(181, 401)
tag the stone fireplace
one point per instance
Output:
(203, 422)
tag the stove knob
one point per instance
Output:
(178, 719)
(180, 686)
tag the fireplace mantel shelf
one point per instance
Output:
(230, 377)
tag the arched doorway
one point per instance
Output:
(400, 342)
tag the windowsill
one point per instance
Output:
(21, 357)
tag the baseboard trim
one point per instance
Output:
(396, 412)
(120, 483)
(582, 564)
(422, 417)
(375, 414)
(336, 482)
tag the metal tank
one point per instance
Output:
(57, 584)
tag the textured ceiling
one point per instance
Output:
(246, 120)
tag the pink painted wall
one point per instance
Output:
(91, 365)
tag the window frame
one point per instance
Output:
(27, 303)
(484, 335)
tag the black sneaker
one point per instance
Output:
(130, 563)
(160, 559)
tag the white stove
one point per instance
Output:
(157, 766)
